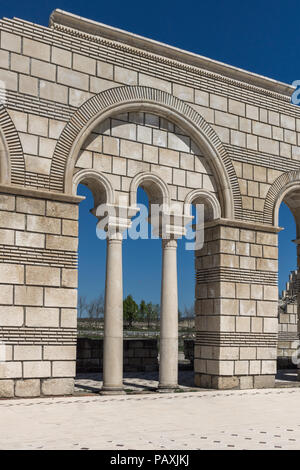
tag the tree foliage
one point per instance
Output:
(130, 310)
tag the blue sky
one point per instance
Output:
(260, 36)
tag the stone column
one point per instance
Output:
(113, 318)
(168, 369)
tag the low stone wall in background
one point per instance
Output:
(140, 355)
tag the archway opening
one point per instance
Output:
(288, 289)
(143, 157)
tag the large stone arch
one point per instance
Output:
(137, 98)
(284, 184)
(12, 164)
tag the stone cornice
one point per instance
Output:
(92, 30)
(243, 224)
(34, 193)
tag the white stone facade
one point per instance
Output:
(83, 102)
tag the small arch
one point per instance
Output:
(100, 186)
(285, 184)
(155, 187)
(212, 209)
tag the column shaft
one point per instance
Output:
(168, 370)
(113, 318)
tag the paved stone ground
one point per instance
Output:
(147, 382)
(249, 419)
(135, 382)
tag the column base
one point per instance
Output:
(112, 391)
(166, 388)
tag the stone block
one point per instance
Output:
(68, 318)
(29, 86)
(183, 92)
(154, 82)
(11, 42)
(42, 276)
(144, 134)
(43, 70)
(36, 49)
(42, 317)
(264, 381)
(60, 242)
(55, 128)
(29, 143)
(64, 368)
(10, 220)
(57, 387)
(83, 64)
(27, 353)
(6, 294)
(37, 164)
(241, 367)
(131, 149)
(69, 278)
(11, 273)
(28, 388)
(225, 383)
(37, 369)
(46, 147)
(59, 297)
(72, 78)
(19, 119)
(61, 209)
(246, 382)
(28, 295)
(20, 63)
(105, 70)
(169, 158)
(70, 227)
(7, 388)
(126, 76)
(201, 97)
(10, 370)
(218, 102)
(43, 224)
(61, 57)
(267, 308)
(4, 59)
(36, 240)
(6, 237)
(53, 92)
(11, 316)
(59, 353)
(31, 206)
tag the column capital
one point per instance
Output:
(114, 218)
(169, 243)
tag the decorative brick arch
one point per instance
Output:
(282, 185)
(130, 98)
(12, 157)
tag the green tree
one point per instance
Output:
(130, 310)
(143, 311)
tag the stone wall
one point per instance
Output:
(236, 308)
(38, 276)
(139, 355)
